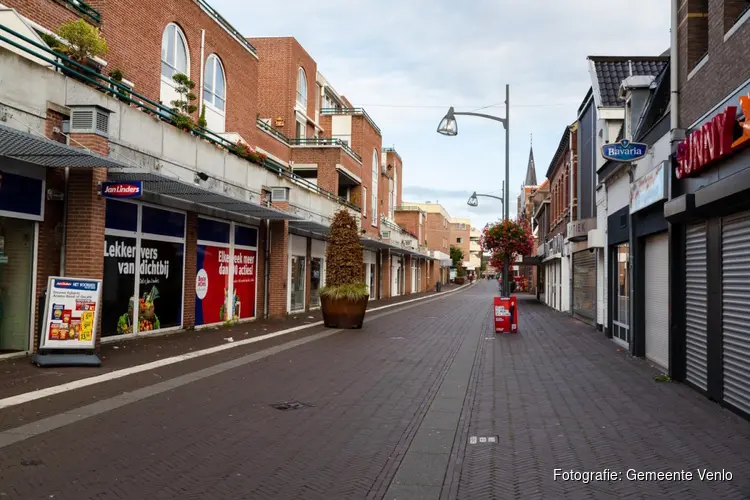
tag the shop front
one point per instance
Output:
(556, 272)
(297, 273)
(144, 263)
(317, 271)
(584, 271)
(226, 272)
(397, 275)
(370, 272)
(21, 209)
(618, 276)
(709, 240)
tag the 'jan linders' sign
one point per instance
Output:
(132, 189)
(713, 141)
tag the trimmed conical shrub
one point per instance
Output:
(344, 259)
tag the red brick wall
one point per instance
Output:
(191, 269)
(386, 270)
(48, 13)
(326, 159)
(365, 140)
(437, 232)
(464, 234)
(273, 146)
(726, 68)
(277, 299)
(398, 170)
(409, 221)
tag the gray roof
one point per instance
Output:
(611, 71)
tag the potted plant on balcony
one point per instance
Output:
(84, 43)
(344, 298)
(183, 106)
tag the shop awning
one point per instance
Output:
(190, 193)
(308, 226)
(373, 244)
(39, 150)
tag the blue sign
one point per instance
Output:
(624, 151)
(132, 189)
(76, 284)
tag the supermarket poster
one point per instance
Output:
(212, 284)
(244, 284)
(71, 311)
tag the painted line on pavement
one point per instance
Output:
(105, 377)
(21, 433)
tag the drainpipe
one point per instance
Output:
(200, 89)
(635, 350)
(674, 77)
(65, 222)
(571, 175)
(266, 270)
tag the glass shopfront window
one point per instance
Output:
(16, 277)
(144, 262)
(298, 284)
(621, 317)
(316, 274)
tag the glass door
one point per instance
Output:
(298, 284)
(372, 282)
(316, 270)
(621, 315)
(16, 264)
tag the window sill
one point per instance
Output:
(698, 67)
(737, 25)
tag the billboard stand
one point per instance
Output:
(67, 327)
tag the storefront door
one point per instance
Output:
(298, 284)
(696, 305)
(620, 315)
(16, 276)
(316, 274)
(584, 286)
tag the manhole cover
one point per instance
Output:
(294, 405)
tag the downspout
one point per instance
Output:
(571, 175)
(635, 349)
(63, 245)
(266, 268)
(674, 77)
(200, 89)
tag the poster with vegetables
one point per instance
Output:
(212, 284)
(70, 313)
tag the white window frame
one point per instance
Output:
(395, 187)
(374, 193)
(302, 130)
(179, 37)
(390, 198)
(364, 201)
(302, 88)
(212, 91)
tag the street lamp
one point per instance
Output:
(449, 126)
(474, 202)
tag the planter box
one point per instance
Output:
(343, 313)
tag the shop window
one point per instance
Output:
(298, 283)
(21, 196)
(143, 269)
(209, 230)
(16, 275)
(316, 276)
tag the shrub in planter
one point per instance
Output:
(183, 105)
(202, 122)
(84, 42)
(345, 296)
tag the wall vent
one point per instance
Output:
(279, 194)
(89, 120)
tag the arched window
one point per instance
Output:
(214, 83)
(374, 190)
(302, 88)
(174, 52)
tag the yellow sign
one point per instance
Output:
(87, 326)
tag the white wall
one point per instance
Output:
(659, 152)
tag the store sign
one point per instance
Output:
(219, 270)
(649, 188)
(71, 313)
(713, 141)
(579, 230)
(624, 151)
(122, 189)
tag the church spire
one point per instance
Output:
(531, 169)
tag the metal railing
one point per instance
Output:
(122, 92)
(325, 141)
(85, 9)
(389, 149)
(225, 24)
(271, 130)
(351, 111)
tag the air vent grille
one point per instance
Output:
(89, 120)
(279, 194)
(82, 120)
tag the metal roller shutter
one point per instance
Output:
(736, 310)
(584, 285)
(696, 305)
(657, 299)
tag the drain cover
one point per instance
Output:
(294, 405)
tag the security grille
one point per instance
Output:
(696, 307)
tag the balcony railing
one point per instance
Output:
(85, 9)
(351, 111)
(325, 141)
(122, 92)
(267, 128)
(389, 149)
(225, 24)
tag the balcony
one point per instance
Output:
(84, 9)
(351, 111)
(317, 142)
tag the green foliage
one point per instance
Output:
(116, 75)
(182, 106)
(84, 40)
(51, 41)
(457, 256)
(202, 123)
(344, 259)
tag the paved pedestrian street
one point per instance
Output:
(425, 402)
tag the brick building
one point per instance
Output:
(709, 202)
(437, 234)
(221, 222)
(460, 236)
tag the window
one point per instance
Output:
(302, 88)
(318, 90)
(364, 201)
(395, 187)
(214, 84)
(300, 130)
(174, 54)
(459, 240)
(390, 198)
(374, 192)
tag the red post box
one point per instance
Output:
(506, 315)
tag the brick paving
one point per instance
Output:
(561, 396)
(557, 395)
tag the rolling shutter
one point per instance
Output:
(657, 299)
(696, 305)
(736, 310)
(584, 285)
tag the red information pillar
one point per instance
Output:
(506, 315)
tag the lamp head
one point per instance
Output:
(473, 200)
(448, 125)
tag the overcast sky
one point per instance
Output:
(406, 61)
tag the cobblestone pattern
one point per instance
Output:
(561, 395)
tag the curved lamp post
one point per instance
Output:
(449, 126)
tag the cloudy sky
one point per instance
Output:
(406, 61)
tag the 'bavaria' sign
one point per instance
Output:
(624, 151)
(132, 189)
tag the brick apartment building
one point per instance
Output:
(460, 236)
(709, 205)
(240, 190)
(437, 234)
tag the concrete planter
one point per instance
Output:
(459, 280)
(343, 313)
